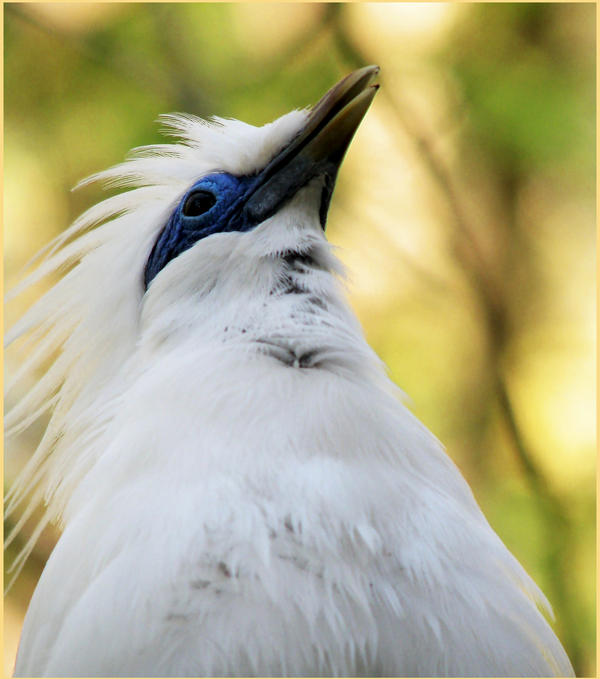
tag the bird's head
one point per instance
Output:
(258, 184)
(257, 202)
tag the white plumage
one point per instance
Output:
(242, 493)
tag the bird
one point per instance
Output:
(240, 488)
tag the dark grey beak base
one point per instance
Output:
(317, 150)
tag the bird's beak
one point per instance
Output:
(317, 150)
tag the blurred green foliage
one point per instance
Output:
(465, 211)
(536, 106)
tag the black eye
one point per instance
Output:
(197, 203)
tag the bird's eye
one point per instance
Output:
(197, 203)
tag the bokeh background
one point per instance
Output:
(465, 213)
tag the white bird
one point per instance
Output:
(241, 491)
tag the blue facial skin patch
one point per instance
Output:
(214, 204)
(220, 202)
